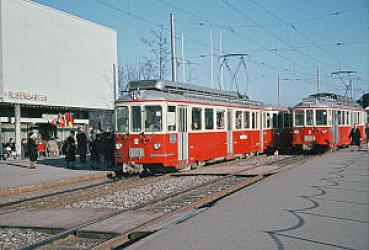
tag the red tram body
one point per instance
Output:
(176, 125)
(324, 120)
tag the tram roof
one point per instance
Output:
(327, 99)
(170, 86)
(169, 90)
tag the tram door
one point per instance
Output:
(182, 135)
(260, 124)
(335, 127)
(229, 133)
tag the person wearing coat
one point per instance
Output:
(69, 149)
(82, 145)
(32, 149)
(355, 136)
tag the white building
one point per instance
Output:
(52, 62)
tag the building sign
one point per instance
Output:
(20, 95)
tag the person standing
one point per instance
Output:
(69, 148)
(367, 134)
(82, 145)
(94, 150)
(32, 149)
(24, 149)
(355, 136)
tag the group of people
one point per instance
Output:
(99, 144)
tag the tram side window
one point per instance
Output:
(153, 118)
(299, 118)
(321, 117)
(171, 118)
(136, 118)
(246, 119)
(196, 119)
(268, 120)
(238, 119)
(275, 120)
(339, 117)
(220, 119)
(309, 117)
(122, 119)
(209, 119)
(253, 120)
(347, 118)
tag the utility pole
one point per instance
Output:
(318, 80)
(279, 91)
(173, 46)
(220, 54)
(17, 115)
(211, 59)
(183, 61)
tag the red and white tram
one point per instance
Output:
(324, 120)
(176, 125)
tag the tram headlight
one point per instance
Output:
(324, 131)
(157, 146)
(118, 146)
(296, 132)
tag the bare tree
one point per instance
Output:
(159, 50)
(154, 66)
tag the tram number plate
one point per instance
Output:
(309, 138)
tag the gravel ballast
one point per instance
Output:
(14, 238)
(133, 197)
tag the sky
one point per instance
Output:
(289, 38)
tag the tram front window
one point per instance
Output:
(153, 118)
(299, 118)
(321, 117)
(136, 118)
(309, 117)
(122, 119)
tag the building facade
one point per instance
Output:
(52, 65)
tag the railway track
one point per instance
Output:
(199, 196)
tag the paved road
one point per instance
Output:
(321, 204)
(16, 174)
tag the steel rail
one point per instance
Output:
(125, 237)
